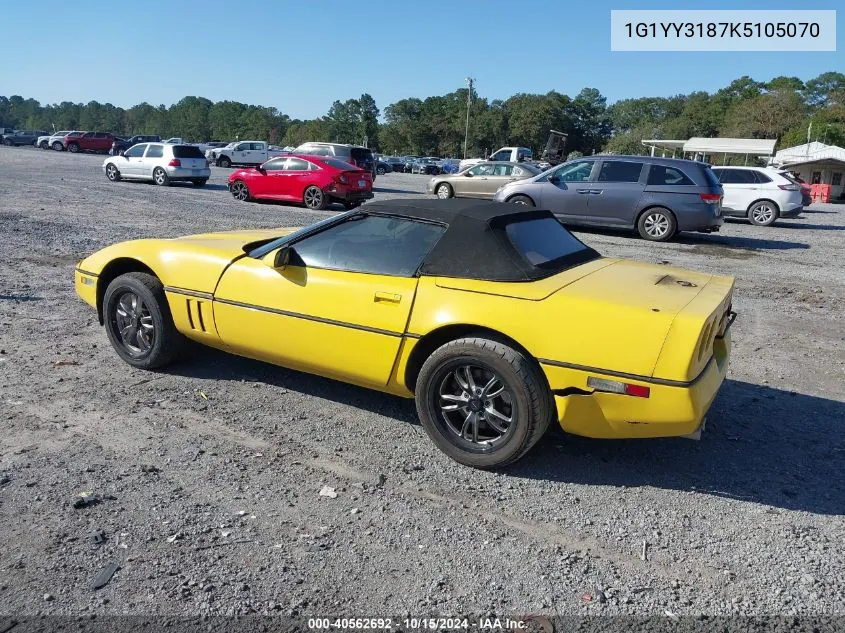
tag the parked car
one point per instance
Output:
(46, 141)
(23, 137)
(121, 145)
(480, 181)
(396, 163)
(161, 163)
(98, 142)
(430, 166)
(657, 197)
(496, 319)
(175, 140)
(383, 167)
(241, 153)
(806, 189)
(353, 154)
(761, 195)
(315, 181)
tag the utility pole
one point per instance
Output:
(470, 82)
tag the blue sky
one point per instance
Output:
(299, 56)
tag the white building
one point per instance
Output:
(815, 163)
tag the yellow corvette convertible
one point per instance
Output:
(495, 319)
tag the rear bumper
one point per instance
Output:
(350, 196)
(791, 210)
(181, 173)
(671, 410)
(699, 218)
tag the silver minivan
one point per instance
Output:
(657, 197)
(160, 162)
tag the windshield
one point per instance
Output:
(261, 251)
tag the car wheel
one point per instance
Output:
(381, 171)
(763, 213)
(239, 190)
(73, 148)
(58, 146)
(7, 142)
(112, 173)
(138, 321)
(44, 145)
(444, 190)
(314, 198)
(657, 225)
(200, 182)
(224, 162)
(160, 177)
(520, 199)
(482, 402)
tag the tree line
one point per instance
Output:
(783, 108)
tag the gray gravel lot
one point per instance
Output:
(205, 478)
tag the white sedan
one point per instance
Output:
(162, 163)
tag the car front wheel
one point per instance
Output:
(524, 200)
(112, 173)
(224, 162)
(444, 190)
(138, 321)
(482, 402)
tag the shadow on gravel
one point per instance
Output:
(806, 210)
(388, 190)
(813, 227)
(746, 244)
(763, 445)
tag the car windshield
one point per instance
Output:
(257, 250)
(544, 242)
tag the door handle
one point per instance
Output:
(584, 191)
(597, 192)
(387, 297)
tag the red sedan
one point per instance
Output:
(314, 181)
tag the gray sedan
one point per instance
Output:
(162, 163)
(657, 197)
(480, 181)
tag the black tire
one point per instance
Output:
(160, 177)
(164, 342)
(314, 198)
(657, 225)
(73, 148)
(530, 403)
(239, 191)
(224, 161)
(381, 171)
(7, 142)
(112, 172)
(58, 146)
(763, 213)
(200, 182)
(444, 190)
(520, 199)
(44, 145)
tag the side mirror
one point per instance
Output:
(282, 258)
(554, 180)
(261, 169)
(468, 174)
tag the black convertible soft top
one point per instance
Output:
(476, 244)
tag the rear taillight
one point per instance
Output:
(615, 386)
(711, 198)
(789, 187)
(174, 162)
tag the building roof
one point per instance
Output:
(809, 152)
(756, 146)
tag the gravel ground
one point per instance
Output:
(205, 479)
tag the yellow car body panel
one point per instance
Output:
(642, 324)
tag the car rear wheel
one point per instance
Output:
(444, 190)
(520, 199)
(763, 213)
(239, 190)
(657, 225)
(58, 146)
(482, 402)
(72, 148)
(160, 177)
(138, 321)
(112, 173)
(381, 171)
(224, 162)
(314, 198)
(7, 142)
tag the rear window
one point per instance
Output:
(337, 164)
(187, 151)
(711, 178)
(543, 241)
(359, 154)
(662, 175)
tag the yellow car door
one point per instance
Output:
(335, 303)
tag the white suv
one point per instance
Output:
(761, 195)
